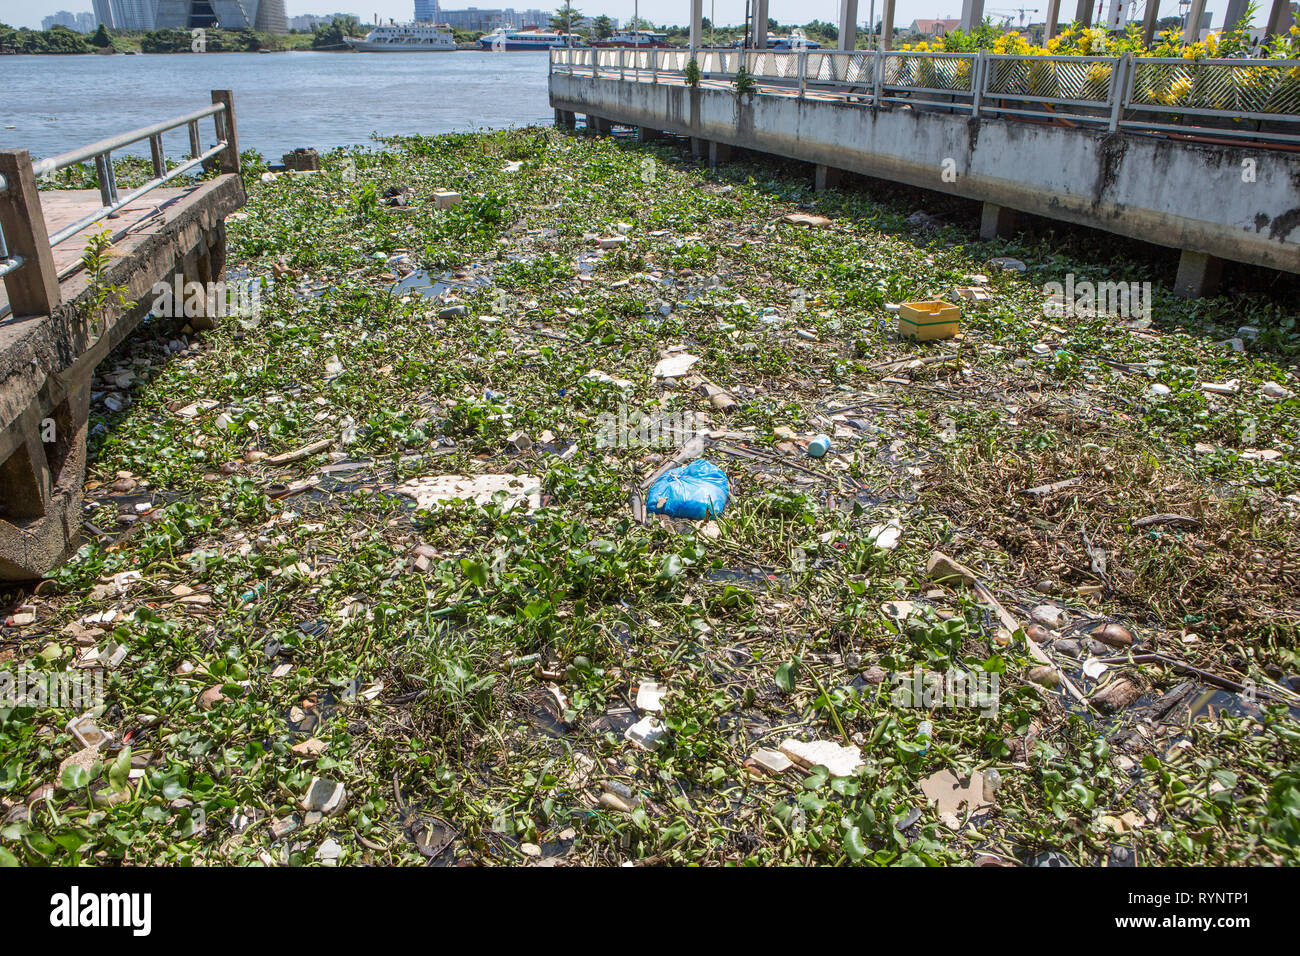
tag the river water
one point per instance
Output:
(52, 104)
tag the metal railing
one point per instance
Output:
(28, 247)
(1253, 99)
(102, 155)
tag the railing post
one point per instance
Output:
(1119, 90)
(803, 73)
(107, 180)
(158, 155)
(877, 78)
(33, 287)
(196, 141)
(977, 70)
(228, 159)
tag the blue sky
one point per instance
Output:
(28, 13)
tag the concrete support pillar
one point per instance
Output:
(886, 25)
(566, 119)
(1198, 274)
(697, 27)
(719, 153)
(1083, 12)
(1236, 10)
(972, 14)
(848, 24)
(760, 24)
(1192, 32)
(597, 126)
(996, 221)
(825, 177)
(1149, 21)
(1053, 14)
(698, 148)
(644, 134)
(1279, 18)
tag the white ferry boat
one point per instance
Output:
(405, 38)
(503, 39)
(639, 39)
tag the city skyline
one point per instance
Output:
(657, 11)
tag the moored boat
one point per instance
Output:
(639, 39)
(503, 39)
(405, 38)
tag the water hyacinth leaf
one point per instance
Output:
(476, 572)
(786, 674)
(853, 845)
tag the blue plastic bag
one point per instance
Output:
(699, 491)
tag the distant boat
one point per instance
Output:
(797, 40)
(503, 39)
(405, 38)
(641, 39)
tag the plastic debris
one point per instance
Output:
(948, 793)
(840, 761)
(674, 365)
(770, 761)
(432, 491)
(646, 732)
(804, 219)
(698, 491)
(650, 696)
(886, 536)
(324, 796)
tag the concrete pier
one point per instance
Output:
(1185, 194)
(996, 221)
(57, 331)
(825, 177)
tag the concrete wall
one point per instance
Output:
(1187, 196)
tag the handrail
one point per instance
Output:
(1110, 92)
(64, 160)
(121, 202)
(26, 260)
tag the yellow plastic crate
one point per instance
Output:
(929, 320)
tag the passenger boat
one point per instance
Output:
(640, 39)
(503, 39)
(405, 38)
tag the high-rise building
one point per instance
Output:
(426, 11)
(265, 15)
(133, 14)
(103, 13)
(60, 19)
(488, 20)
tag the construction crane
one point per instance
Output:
(1009, 14)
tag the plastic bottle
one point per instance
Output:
(819, 446)
(992, 781)
(925, 731)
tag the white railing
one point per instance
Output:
(1254, 99)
